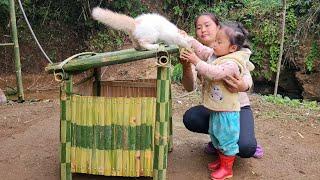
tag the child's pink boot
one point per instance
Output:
(225, 170)
(215, 165)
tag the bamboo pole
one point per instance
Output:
(91, 137)
(65, 131)
(170, 146)
(108, 136)
(101, 135)
(72, 114)
(105, 59)
(125, 145)
(283, 27)
(16, 51)
(162, 120)
(6, 44)
(135, 160)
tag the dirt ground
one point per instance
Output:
(29, 137)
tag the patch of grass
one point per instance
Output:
(177, 73)
(296, 103)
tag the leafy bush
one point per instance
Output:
(291, 102)
(312, 56)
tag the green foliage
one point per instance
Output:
(280, 100)
(183, 12)
(132, 8)
(4, 11)
(107, 40)
(177, 73)
(313, 55)
(261, 18)
(4, 4)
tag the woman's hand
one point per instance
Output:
(236, 84)
(189, 56)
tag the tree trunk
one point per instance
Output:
(281, 46)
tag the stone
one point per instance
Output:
(3, 98)
(310, 84)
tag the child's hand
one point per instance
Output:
(189, 56)
(182, 32)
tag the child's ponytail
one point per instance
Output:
(237, 34)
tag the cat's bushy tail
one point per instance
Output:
(117, 21)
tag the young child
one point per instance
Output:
(224, 127)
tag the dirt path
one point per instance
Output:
(29, 135)
(29, 138)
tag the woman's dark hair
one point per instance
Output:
(212, 17)
(237, 34)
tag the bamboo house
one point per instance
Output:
(115, 128)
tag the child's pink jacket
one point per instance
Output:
(207, 54)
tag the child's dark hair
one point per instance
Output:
(212, 17)
(237, 34)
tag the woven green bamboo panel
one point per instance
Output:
(112, 136)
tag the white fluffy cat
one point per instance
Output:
(145, 30)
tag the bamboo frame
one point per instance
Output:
(117, 136)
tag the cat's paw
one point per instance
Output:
(150, 46)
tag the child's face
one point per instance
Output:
(206, 30)
(222, 45)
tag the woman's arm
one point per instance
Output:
(239, 84)
(189, 76)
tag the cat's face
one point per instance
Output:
(206, 30)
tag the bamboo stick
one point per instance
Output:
(120, 105)
(6, 44)
(114, 147)
(84, 135)
(170, 145)
(137, 136)
(73, 139)
(127, 108)
(71, 116)
(143, 135)
(91, 137)
(118, 57)
(79, 133)
(108, 136)
(16, 51)
(65, 129)
(161, 125)
(101, 135)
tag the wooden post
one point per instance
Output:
(16, 51)
(97, 82)
(161, 134)
(65, 130)
(281, 47)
